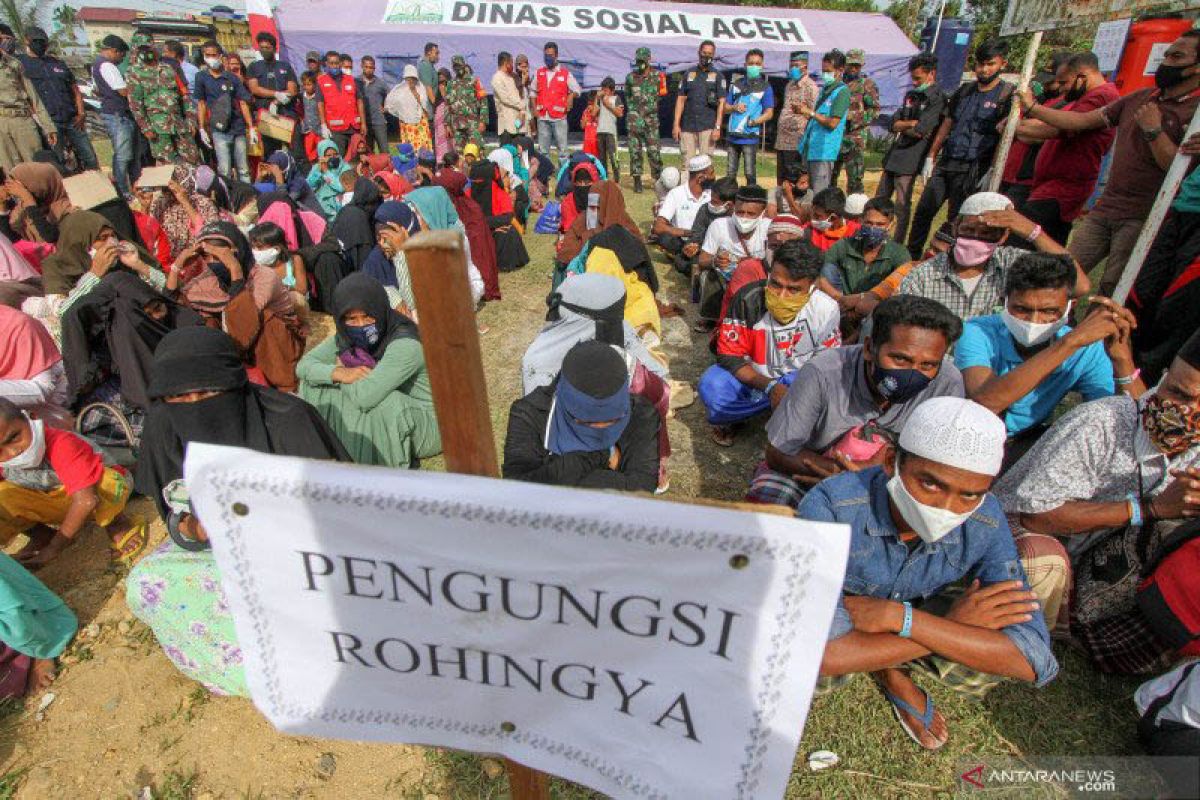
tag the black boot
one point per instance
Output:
(637, 184)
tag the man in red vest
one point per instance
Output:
(339, 103)
(555, 90)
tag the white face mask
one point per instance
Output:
(930, 523)
(717, 208)
(35, 453)
(213, 63)
(822, 224)
(746, 225)
(265, 258)
(1031, 334)
(346, 198)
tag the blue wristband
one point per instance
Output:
(906, 629)
(1135, 511)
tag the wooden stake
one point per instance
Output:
(438, 267)
(1014, 114)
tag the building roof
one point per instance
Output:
(100, 14)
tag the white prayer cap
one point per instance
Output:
(669, 178)
(956, 432)
(980, 202)
(410, 71)
(699, 163)
(856, 204)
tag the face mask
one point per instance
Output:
(898, 385)
(39, 47)
(213, 63)
(580, 193)
(972, 252)
(364, 336)
(33, 455)
(345, 198)
(822, 224)
(795, 73)
(1031, 334)
(753, 72)
(335, 162)
(929, 522)
(785, 309)
(746, 225)
(1172, 427)
(828, 77)
(871, 237)
(265, 258)
(718, 209)
(706, 61)
(1076, 92)
(1167, 76)
(550, 61)
(333, 72)
(643, 66)
(224, 279)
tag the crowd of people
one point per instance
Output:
(913, 387)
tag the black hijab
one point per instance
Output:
(242, 415)
(361, 291)
(630, 251)
(483, 174)
(354, 224)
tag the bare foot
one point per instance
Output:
(899, 684)
(41, 674)
(722, 435)
(39, 537)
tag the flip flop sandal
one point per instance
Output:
(132, 543)
(723, 437)
(925, 719)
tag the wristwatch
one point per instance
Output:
(1151, 134)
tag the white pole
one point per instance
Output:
(1014, 114)
(1162, 204)
(938, 30)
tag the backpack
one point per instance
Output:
(1169, 595)
(1166, 702)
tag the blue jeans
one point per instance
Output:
(728, 400)
(120, 129)
(231, 147)
(85, 154)
(550, 133)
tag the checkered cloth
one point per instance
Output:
(1124, 644)
(772, 488)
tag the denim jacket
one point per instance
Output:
(880, 565)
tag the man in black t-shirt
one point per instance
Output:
(914, 124)
(699, 106)
(273, 83)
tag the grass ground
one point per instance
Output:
(125, 718)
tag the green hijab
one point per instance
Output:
(435, 207)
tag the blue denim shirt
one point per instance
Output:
(880, 565)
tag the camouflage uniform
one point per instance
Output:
(642, 90)
(864, 108)
(464, 108)
(22, 113)
(158, 108)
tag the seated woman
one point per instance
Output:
(609, 204)
(229, 195)
(487, 189)
(35, 627)
(479, 237)
(39, 202)
(514, 181)
(182, 210)
(586, 429)
(217, 277)
(391, 185)
(269, 247)
(54, 483)
(369, 382)
(19, 281)
(395, 221)
(354, 224)
(325, 177)
(279, 174)
(433, 205)
(31, 369)
(201, 394)
(619, 253)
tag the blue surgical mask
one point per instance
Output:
(335, 162)
(795, 73)
(828, 77)
(898, 385)
(753, 71)
(551, 61)
(333, 72)
(363, 336)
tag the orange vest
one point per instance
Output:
(341, 102)
(553, 92)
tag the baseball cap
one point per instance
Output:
(642, 54)
(35, 34)
(312, 55)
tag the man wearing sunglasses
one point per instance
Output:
(969, 278)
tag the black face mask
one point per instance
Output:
(707, 184)
(580, 193)
(1075, 92)
(39, 47)
(1167, 76)
(706, 61)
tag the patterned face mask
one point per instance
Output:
(1172, 427)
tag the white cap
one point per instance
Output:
(669, 178)
(698, 163)
(956, 432)
(980, 202)
(856, 204)
(410, 71)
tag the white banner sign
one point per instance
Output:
(598, 21)
(639, 647)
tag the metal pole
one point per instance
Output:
(1162, 204)
(1014, 114)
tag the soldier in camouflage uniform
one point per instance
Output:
(22, 112)
(466, 111)
(864, 108)
(643, 87)
(163, 115)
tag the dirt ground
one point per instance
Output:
(125, 723)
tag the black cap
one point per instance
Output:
(36, 34)
(113, 42)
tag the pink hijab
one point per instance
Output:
(281, 214)
(26, 347)
(13, 265)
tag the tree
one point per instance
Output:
(21, 15)
(66, 18)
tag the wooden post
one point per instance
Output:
(1158, 212)
(1014, 114)
(438, 267)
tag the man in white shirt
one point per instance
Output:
(678, 211)
(729, 241)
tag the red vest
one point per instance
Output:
(553, 92)
(341, 102)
